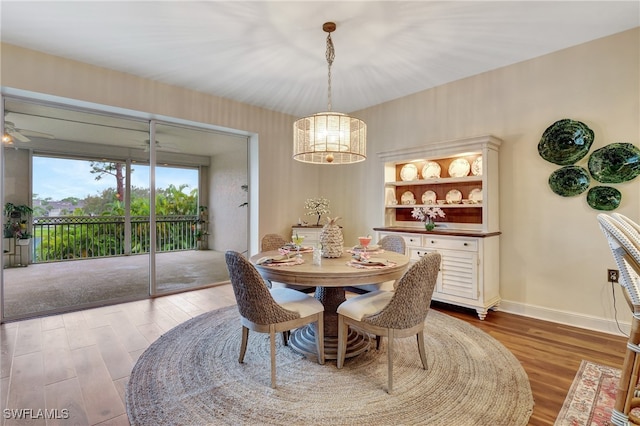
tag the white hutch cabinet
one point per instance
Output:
(460, 177)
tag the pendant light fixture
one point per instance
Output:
(329, 137)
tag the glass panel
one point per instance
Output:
(71, 167)
(187, 254)
(85, 178)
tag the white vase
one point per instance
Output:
(23, 241)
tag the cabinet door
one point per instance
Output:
(459, 270)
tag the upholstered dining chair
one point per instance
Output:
(271, 311)
(271, 242)
(274, 242)
(393, 243)
(625, 248)
(397, 314)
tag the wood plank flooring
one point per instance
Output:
(81, 361)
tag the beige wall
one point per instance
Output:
(553, 256)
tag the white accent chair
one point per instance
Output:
(271, 311)
(397, 314)
(624, 241)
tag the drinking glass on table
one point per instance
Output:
(364, 242)
(297, 240)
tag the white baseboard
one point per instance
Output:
(568, 318)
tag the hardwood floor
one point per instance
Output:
(81, 361)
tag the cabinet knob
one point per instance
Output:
(465, 244)
(433, 242)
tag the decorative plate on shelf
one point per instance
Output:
(475, 196)
(476, 166)
(429, 197)
(431, 170)
(459, 168)
(454, 196)
(409, 172)
(408, 198)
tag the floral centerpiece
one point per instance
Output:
(427, 215)
(317, 207)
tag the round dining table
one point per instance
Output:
(330, 278)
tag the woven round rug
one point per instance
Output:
(191, 376)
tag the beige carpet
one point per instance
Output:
(191, 376)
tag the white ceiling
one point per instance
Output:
(272, 53)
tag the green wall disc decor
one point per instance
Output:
(565, 142)
(569, 181)
(604, 198)
(615, 163)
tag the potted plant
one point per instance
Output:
(16, 220)
(23, 238)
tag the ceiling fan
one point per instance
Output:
(21, 134)
(160, 146)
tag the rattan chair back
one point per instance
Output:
(411, 300)
(393, 243)
(272, 242)
(255, 302)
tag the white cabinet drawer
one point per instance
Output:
(465, 244)
(412, 240)
(311, 235)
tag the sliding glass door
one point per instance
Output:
(113, 216)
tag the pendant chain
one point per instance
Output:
(331, 54)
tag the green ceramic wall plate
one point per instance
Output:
(615, 163)
(604, 198)
(569, 181)
(565, 142)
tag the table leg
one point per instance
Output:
(303, 339)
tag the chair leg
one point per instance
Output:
(320, 337)
(272, 339)
(343, 330)
(421, 349)
(390, 336)
(243, 344)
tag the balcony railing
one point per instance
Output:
(76, 237)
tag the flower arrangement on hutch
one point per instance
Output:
(317, 207)
(427, 215)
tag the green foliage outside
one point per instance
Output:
(88, 237)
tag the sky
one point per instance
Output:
(61, 178)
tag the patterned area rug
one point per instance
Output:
(191, 376)
(591, 396)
